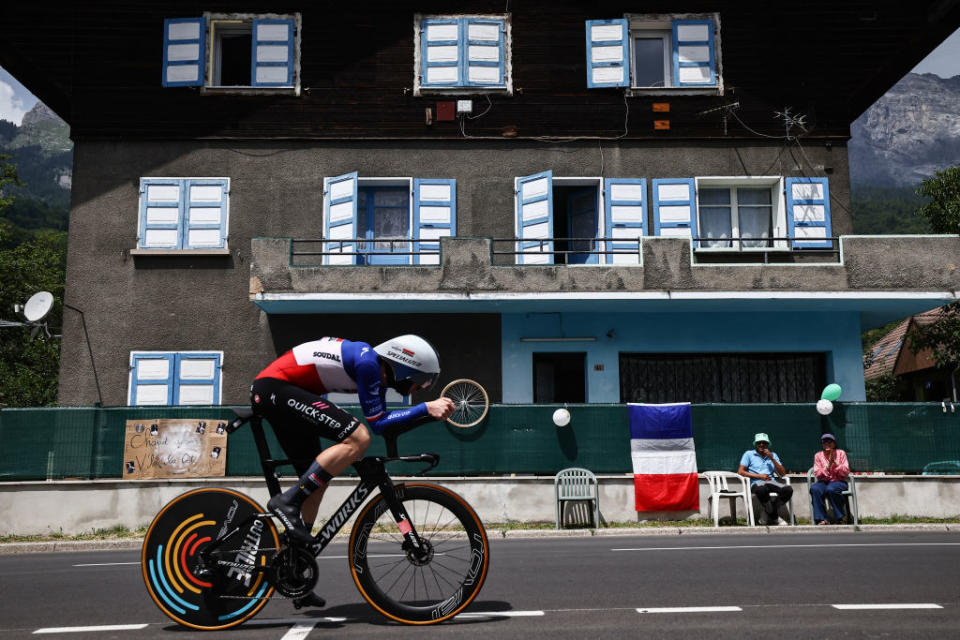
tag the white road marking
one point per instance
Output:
(106, 627)
(104, 564)
(500, 614)
(920, 605)
(687, 609)
(798, 546)
(299, 631)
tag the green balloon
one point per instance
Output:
(831, 392)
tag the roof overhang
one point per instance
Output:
(875, 307)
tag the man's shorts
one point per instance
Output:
(300, 418)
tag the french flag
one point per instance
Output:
(664, 459)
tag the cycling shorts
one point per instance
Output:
(300, 418)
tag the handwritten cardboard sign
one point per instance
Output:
(174, 448)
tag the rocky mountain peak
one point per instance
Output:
(38, 114)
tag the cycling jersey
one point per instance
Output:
(335, 365)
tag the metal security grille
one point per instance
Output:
(763, 377)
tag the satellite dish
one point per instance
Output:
(38, 306)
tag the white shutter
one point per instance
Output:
(198, 378)
(808, 212)
(205, 214)
(161, 213)
(694, 55)
(184, 44)
(484, 52)
(434, 217)
(625, 209)
(340, 218)
(535, 218)
(272, 53)
(608, 53)
(440, 53)
(151, 379)
(674, 207)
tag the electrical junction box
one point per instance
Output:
(464, 107)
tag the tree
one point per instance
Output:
(8, 176)
(28, 367)
(943, 209)
(942, 337)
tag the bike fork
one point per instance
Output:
(416, 548)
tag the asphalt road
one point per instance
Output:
(761, 586)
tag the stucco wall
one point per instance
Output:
(185, 303)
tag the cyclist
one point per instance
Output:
(289, 394)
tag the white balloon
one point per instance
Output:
(824, 407)
(561, 417)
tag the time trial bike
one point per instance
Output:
(418, 553)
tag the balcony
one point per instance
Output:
(883, 277)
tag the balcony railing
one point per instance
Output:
(559, 250)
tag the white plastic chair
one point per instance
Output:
(577, 484)
(773, 495)
(720, 487)
(850, 494)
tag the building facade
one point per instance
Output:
(605, 203)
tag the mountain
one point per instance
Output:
(908, 134)
(42, 151)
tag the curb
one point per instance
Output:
(130, 544)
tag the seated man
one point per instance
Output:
(832, 470)
(760, 465)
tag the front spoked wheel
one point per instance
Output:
(422, 586)
(228, 588)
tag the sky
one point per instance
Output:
(15, 100)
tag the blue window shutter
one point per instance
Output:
(483, 50)
(161, 213)
(441, 53)
(434, 217)
(205, 213)
(535, 218)
(625, 217)
(184, 45)
(694, 54)
(151, 378)
(608, 53)
(271, 60)
(340, 218)
(674, 207)
(197, 378)
(808, 213)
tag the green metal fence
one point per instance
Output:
(87, 442)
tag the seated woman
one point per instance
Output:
(832, 470)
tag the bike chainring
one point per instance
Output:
(293, 572)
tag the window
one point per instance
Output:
(175, 378)
(734, 377)
(559, 219)
(654, 52)
(744, 212)
(246, 52)
(392, 211)
(465, 54)
(559, 377)
(183, 213)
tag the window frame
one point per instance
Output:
(664, 22)
(210, 52)
(175, 381)
(777, 203)
(463, 87)
(183, 184)
(384, 183)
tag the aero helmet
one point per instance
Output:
(411, 360)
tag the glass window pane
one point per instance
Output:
(390, 198)
(755, 222)
(753, 196)
(648, 62)
(715, 223)
(714, 196)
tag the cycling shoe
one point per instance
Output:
(290, 516)
(309, 600)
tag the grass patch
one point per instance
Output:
(113, 533)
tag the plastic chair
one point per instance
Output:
(774, 494)
(576, 484)
(853, 507)
(941, 468)
(720, 482)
